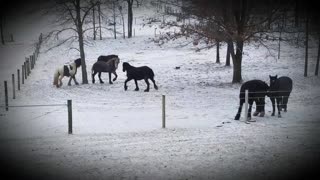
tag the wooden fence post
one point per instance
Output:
(13, 88)
(70, 116)
(25, 70)
(22, 74)
(31, 62)
(246, 106)
(6, 95)
(18, 74)
(163, 111)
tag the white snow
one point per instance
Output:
(117, 134)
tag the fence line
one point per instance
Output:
(69, 107)
(265, 92)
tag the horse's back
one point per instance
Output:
(107, 58)
(285, 83)
(254, 86)
(141, 72)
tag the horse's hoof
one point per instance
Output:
(262, 114)
(237, 117)
(110, 83)
(255, 113)
(272, 114)
(101, 82)
(279, 116)
(114, 79)
(137, 89)
(69, 84)
(147, 90)
(156, 87)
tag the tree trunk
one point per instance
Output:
(307, 47)
(218, 53)
(228, 53)
(296, 14)
(130, 18)
(94, 23)
(99, 11)
(1, 28)
(81, 45)
(114, 21)
(237, 61)
(317, 66)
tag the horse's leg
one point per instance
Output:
(60, 80)
(75, 81)
(100, 78)
(239, 110)
(110, 82)
(273, 105)
(92, 75)
(69, 83)
(279, 100)
(261, 105)
(136, 82)
(148, 85)
(257, 107)
(154, 83)
(285, 102)
(125, 83)
(116, 76)
(250, 109)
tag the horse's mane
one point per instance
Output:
(78, 62)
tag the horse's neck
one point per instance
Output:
(73, 68)
(130, 67)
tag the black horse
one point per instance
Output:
(101, 66)
(280, 89)
(257, 90)
(138, 73)
(107, 58)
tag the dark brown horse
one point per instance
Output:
(109, 67)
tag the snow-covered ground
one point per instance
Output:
(117, 134)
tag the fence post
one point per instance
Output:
(25, 70)
(163, 111)
(13, 88)
(31, 62)
(6, 95)
(22, 73)
(18, 74)
(246, 106)
(70, 116)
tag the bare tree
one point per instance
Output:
(232, 21)
(73, 14)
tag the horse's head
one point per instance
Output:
(116, 62)
(125, 66)
(78, 62)
(273, 80)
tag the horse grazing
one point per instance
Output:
(257, 90)
(110, 66)
(280, 89)
(138, 73)
(68, 70)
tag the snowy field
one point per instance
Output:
(117, 134)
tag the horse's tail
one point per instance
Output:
(151, 73)
(56, 76)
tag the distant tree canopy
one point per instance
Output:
(238, 21)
